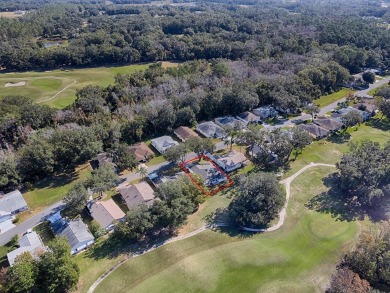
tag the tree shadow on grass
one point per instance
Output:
(379, 123)
(334, 202)
(339, 137)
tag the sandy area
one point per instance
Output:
(20, 83)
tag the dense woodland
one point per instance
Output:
(106, 34)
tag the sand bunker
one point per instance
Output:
(20, 83)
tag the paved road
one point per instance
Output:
(29, 223)
(165, 165)
(324, 110)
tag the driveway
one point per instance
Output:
(30, 223)
(330, 107)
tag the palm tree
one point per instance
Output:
(143, 171)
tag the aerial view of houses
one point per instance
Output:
(195, 146)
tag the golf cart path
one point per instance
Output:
(60, 92)
(282, 215)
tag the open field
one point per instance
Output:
(299, 257)
(61, 84)
(10, 14)
(329, 99)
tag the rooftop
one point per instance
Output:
(315, 130)
(29, 242)
(105, 212)
(184, 132)
(12, 201)
(141, 151)
(136, 194)
(232, 158)
(76, 231)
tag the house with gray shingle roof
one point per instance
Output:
(315, 130)
(13, 202)
(248, 118)
(328, 123)
(30, 242)
(210, 129)
(106, 213)
(163, 143)
(136, 194)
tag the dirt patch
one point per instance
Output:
(11, 84)
(166, 64)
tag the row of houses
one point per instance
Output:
(323, 126)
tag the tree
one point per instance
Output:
(383, 92)
(138, 223)
(346, 281)
(370, 258)
(143, 171)
(232, 133)
(200, 145)
(22, 275)
(90, 99)
(185, 116)
(312, 110)
(74, 146)
(368, 77)
(365, 174)
(36, 159)
(122, 157)
(103, 178)
(258, 201)
(300, 139)
(57, 270)
(76, 198)
(250, 137)
(37, 116)
(9, 177)
(352, 118)
(176, 153)
(384, 107)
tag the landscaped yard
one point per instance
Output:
(329, 99)
(299, 257)
(44, 85)
(51, 190)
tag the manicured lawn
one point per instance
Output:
(330, 150)
(52, 189)
(299, 257)
(329, 99)
(45, 232)
(43, 85)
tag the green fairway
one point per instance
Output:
(299, 257)
(329, 99)
(57, 88)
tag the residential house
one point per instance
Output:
(210, 129)
(161, 144)
(137, 194)
(184, 133)
(6, 221)
(103, 158)
(208, 172)
(13, 202)
(29, 242)
(367, 105)
(315, 131)
(328, 123)
(248, 118)
(141, 152)
(229, 122)
(265, 112)
(105, 213)
(341, 112)
(77, 234)
(231, 161)
(157, 179)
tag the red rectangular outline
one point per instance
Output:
(198, 158)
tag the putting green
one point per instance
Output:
(299, 257)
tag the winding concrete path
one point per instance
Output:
(282, 215)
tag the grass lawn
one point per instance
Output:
(299, 257)
(44, 85)
(45, 232)
(329, 99)
(330, 150)
(51, 190)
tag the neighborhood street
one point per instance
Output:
(29, 223)
(35, 220)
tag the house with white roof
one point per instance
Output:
(163, 143)
(30, 242)
(265, 112)
(230, 162)
(229, 122)
(78, 235)
(13, 202)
